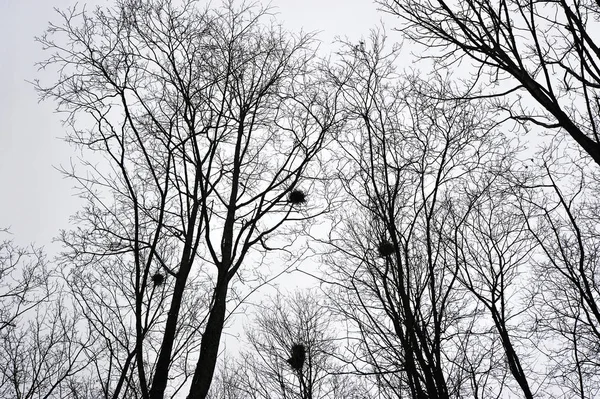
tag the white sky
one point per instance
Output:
(35, 200)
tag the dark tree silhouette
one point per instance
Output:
(291, 351)
(41, 351)
(453, 267)
(24, 280)
(409, 162)
(549, 50)
(562, 207)
(493, 249)
(197, 124)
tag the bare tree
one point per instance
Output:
(409, 158)
(544, 51)
(291, 352)
(493, 249)
(43, 356)
(24, 281)
(562, 212)
(548, 49)
(201, 130)
(40, 348)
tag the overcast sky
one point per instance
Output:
(35, 200)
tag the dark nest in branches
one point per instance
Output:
(158, 279)
(297, 197)
(298, 357)
(385, 248)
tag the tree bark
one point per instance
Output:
(209, 348)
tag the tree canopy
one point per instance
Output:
(223, 158)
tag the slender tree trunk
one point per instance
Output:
(161, 376)
(511, 356)
(588, 145)
(209, 348)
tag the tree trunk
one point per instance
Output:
(209, 348)
(161, 376)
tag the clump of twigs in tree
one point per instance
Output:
(385, 248)
(297, 197)
(158, 279)
(298, 357)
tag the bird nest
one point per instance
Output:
(296, 361)
(158, 279)
(297, 197)
(385, 248)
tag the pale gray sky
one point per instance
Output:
(35, 200)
